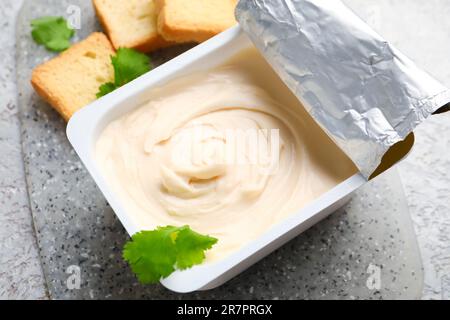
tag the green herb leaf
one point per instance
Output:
(156, 254)
(105, 89)
(52, 32)
(190, 247)
(128, 64)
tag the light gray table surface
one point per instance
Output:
(424, 174)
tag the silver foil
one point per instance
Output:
(361, 90)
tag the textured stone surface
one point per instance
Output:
(75, 226)
(421, 29)
(20, 271)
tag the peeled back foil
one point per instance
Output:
(362, 91)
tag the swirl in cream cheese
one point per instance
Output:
(189, 155)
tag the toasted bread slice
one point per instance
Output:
(194, 20)
(71, 80)
(130, 23)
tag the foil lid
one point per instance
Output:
(362, 91)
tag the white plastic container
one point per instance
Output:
(86, 125)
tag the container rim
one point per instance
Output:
(82, 129)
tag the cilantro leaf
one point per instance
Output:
(128, 64)
(191, 247)
(105, 89)
(156, 254)
(52, 32)
(151, 254)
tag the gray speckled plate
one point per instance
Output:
(365, 250)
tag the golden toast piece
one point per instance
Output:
(71, 80)
(194, 20)
(130, 23)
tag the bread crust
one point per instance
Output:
(146, 44)
(43, 76)
(179, 29)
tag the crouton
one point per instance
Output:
(71, 80)
(195, 20)
(130, 23)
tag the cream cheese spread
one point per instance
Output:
(229, 152)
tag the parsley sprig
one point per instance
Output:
(154, 255)
(52, 32)
(128, 64)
